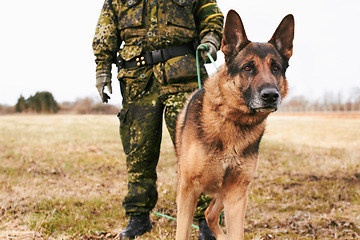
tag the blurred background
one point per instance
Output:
(46, 46)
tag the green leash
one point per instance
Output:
(198, 62)
(166, 216)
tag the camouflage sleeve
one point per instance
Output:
(209, 20)
(107, 40)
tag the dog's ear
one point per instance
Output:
(234, 35)
(284, 36)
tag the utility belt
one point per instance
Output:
(156, 56)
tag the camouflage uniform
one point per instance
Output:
(151, 91)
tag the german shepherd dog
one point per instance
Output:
(219, 130)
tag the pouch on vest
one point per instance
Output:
(131, 14)
(135, 81)
(130, 51)
(179, 13)
(182, 69)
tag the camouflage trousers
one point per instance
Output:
(141, 122)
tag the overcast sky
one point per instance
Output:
(46, 45)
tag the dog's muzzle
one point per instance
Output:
(266, 100)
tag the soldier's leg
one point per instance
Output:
(173, 105)
(141, 130)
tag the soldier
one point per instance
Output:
(157, 72)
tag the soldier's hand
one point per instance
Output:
(103, 79)
(211, 49)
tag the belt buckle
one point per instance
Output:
(157, 56)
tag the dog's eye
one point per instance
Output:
(247, 68)
(276, 68)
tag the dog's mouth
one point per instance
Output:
(267, 109)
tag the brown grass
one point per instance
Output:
(64, 177)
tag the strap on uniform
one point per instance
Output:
(161, 55)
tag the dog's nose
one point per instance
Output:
(269, 95)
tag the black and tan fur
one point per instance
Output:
(219, 130)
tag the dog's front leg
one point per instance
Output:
(235, 208)
(186, 203)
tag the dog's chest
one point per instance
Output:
(236, 169)
(232, 162)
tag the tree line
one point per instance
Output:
(44, 102)
(41, 102)
(330, 102)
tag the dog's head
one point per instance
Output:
(258, 69)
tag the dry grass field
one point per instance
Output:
(64, 177)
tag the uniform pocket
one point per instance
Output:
(131, 14)
(129, 52)
(124, 129)
(179, 13)
(182, 69)
(122, 115)
(135, 81)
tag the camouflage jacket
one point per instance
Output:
(147, 25)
